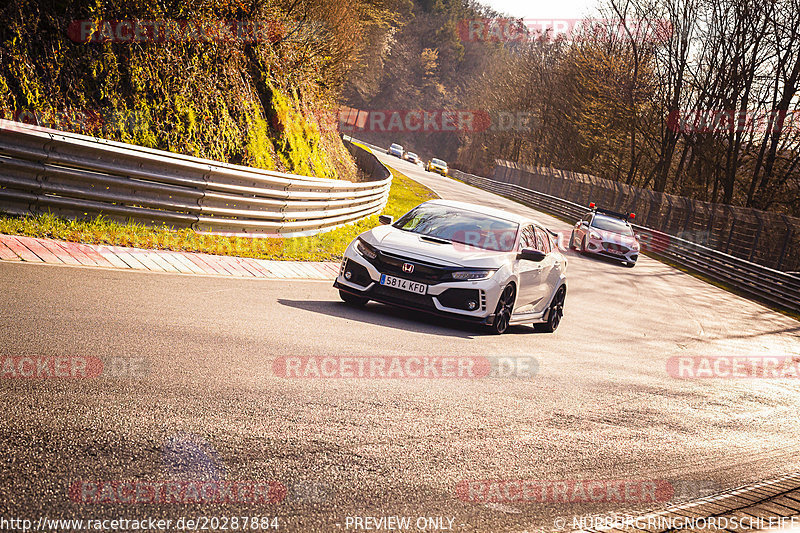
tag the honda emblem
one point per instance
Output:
(408, 268)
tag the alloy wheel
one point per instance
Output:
(556, 310)
(504, 307)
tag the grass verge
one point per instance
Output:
(329, 246)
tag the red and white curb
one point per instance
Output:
(34, 250)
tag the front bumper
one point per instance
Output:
(446, 299)
(604, 248)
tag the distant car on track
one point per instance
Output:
(411, 157)
(437, 165)
(395, 150)
(461, 261)
(606, 233)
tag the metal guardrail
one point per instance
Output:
(763, 237)
(75, 175)
(778, 288)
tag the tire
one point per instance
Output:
(554, 313)
(629, 264)
(583, 245)
(572, 240)
(505, 305)
(352, 299)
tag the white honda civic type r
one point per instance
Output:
(462, 261)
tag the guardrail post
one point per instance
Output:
(758, 235)
(733, 227)
(665, 225)
(710, 226)
(634, 204)
(691, 213)
(786, 240)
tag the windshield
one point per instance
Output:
(412, 155)
(611, 224)
(396, 147)
(438, 162)
(460, 226)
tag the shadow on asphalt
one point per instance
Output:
(595, 257)
(398, 318)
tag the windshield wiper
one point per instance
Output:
(435, 239)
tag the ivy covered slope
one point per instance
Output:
(251, 99)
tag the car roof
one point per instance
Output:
(498, 213)
(611, 217)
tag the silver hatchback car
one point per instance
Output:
(463, 261)
(608, 234)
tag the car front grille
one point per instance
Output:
(388, 263)
(610, 246)
(402, 297)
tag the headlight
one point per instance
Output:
(594, 235)
(472, 274)
(366, 250)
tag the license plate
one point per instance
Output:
(614, 250)
(403, 284)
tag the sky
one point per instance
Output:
(543, 9)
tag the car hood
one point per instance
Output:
(610, 236)
(411, 245)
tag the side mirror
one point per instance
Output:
(386, 220)
(529, 254)
(584, 223)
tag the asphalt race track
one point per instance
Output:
(199, 399)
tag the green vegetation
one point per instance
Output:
(403, 195)
(251, 97)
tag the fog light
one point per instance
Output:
(472, 305)
(348, 275)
